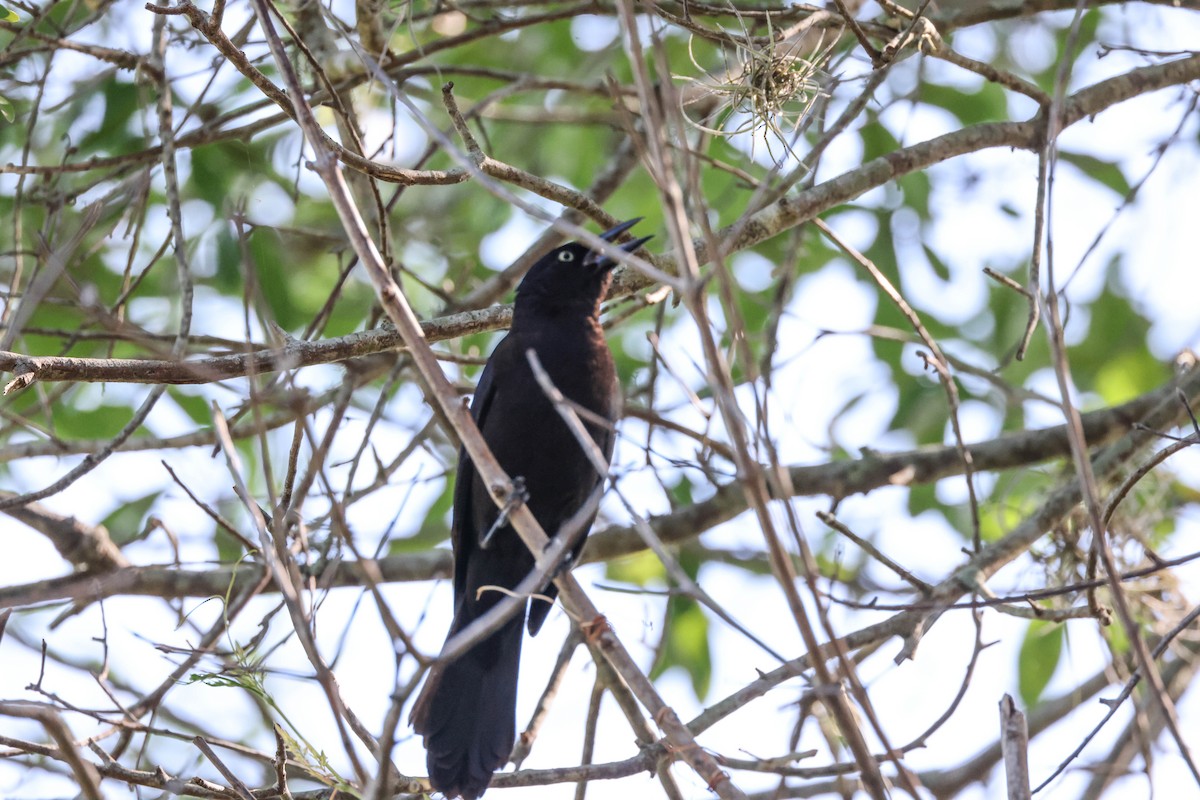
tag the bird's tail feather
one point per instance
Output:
(466, 714)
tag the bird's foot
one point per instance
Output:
(517, 496)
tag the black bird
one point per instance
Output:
(467, 714)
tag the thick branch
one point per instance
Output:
(293, 354)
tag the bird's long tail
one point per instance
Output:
(467, 713)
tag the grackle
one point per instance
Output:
(467, 709)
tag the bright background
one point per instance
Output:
(834, 390)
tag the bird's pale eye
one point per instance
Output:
(566, 256)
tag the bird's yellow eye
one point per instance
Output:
(566, 255)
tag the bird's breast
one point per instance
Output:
(526, 431)
(578, 362)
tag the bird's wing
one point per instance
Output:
(606, 440)
(465, 542)
(609, 437)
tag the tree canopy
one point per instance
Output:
(907, 390)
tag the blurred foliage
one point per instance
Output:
(1040, 652)
(291, 250)
(269, 260)
(685, 641)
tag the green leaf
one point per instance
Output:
(276, 274)
(877, 140)
(639, 569)
(922, 497)
(685, 644)
(1128, 375)
(680, 494)
(102, 422)
(985, 104)
(1040, 652)
(1103, 172)
(229, 549)
(685, 634)
(194, 406)
(922, 409)
(435, 529)
(939, 266)
(6, 107)
(121, 102)
(1118, 640)
(125, 524)
(917, 188)
(997, 519)
(8, 15)
(1015, 496)
(214, 167)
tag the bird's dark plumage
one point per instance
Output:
(467, 713)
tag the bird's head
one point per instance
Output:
(573, 275)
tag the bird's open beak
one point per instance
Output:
(602, 261)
